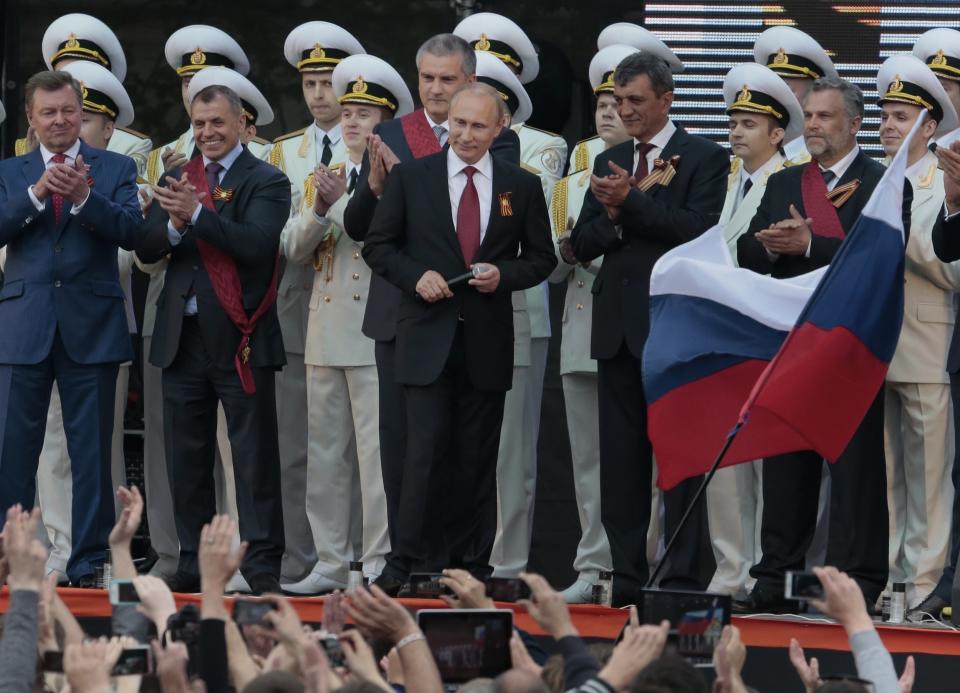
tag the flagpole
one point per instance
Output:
(696, 499)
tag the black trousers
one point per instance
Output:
(192, 387)
(944, 588)
(626, 468)
(858, 533)
(393, 431)
(449, 490)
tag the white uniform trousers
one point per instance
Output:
(919, 442)
(299, 555)
(516, 481)
(734, 509)
(583, 427)
(344, 453)
(54, 476)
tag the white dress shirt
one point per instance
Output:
(758, 176)
(482, 180)
(335, 134)
(840, 167)
(70, 159)
(659, 141)
(175, 236)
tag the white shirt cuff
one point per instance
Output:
(173, 235)
(36, 203)
(196, 213)
(76, 208)
(806, 253)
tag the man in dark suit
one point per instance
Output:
(633, 213)
(64, 210)
(440, 216)
(444, 64)
(802, 219)
(217, 337)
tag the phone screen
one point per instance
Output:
(468, 643)
(135, 660)
(251, 611)
(802, 586)
(506, 589)
(123, 592)
(696, 620)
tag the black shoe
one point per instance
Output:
(933, 605)
(762, 602)
(264, 583)
(183, 583)
(389, 584)
(86, 582)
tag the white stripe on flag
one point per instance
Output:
(703, 268)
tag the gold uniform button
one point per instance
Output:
(356, 276)
(356, 256)
(579, 306)
(356, 297)
(326, 299)
(580, 284)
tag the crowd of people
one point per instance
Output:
(380, 646)
(345, 330)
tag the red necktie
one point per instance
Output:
(468, 218)
(213, 175)
(57, 197)
(643, 148)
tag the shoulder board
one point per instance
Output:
(587, 139)
(260, 140)
(20, 147)
(135, 133)
(799, 161)
(532, 169)
(527, 126)
(581, 157)
(558, 206)
(291, 134)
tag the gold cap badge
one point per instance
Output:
(939, 60)
(318, 51)
(72, 41)
(744, 94)
(359, 87)
(483, 44)
(781, 58)
(198, 57)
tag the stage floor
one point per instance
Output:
(767, 637)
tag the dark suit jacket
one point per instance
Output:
(64, 276)
(946, 244)
(413, 231)
(380, 318)
(652, 223)
(248, 229)
(783, 189)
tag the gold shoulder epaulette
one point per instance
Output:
(558, 205)
(926, 180)
(153, 166)
(735, 164)
(581, 154)
(527, 167)
(135, 133)
(276, 156)
(290, 134)
(20, 147)
(799, 161)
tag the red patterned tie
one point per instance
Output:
(468, 218)
(643, 170)
(57, 197)
(213, 175)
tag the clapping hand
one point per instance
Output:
(547, 607)
(788, 237)
(179, 199)
(378, 616)
(950, 163)
(331, 185)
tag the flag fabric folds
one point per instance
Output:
(798, 361)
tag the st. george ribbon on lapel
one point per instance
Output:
(225, 279)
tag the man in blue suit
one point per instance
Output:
(64, 210)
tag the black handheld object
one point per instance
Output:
(801, 586)
(506, 589)
(466, 276)
(247, 612)
(468, 643)
(123, 592)
(696, 620)
(134, 660)
(426, 586)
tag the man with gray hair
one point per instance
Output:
(444, 64)
(803, 217)
(456, 232)
(659, 189)
(217, 337)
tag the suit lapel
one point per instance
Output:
(853, 172)
(235, 176)
(440, 192)
(500, 186)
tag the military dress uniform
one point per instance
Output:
(918, 427)
(311, 47)
(735, 494)
(940, 50)
(344, 475)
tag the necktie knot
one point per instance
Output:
(59, 158)
(469, 171)
(644, 148)
(352, 182)
(441, 133)
(642, 170)
(828, 176)
(326, 141)
(213, 168)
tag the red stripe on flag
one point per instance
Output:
(819, 386)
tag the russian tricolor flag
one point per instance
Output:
(797, 361)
